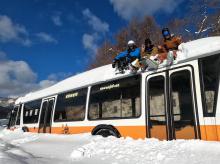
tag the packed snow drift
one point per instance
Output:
(18, 147)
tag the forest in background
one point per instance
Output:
(201, 20)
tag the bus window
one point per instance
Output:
(30, 115)
(209, 73)
(117, 99)
(71, 106)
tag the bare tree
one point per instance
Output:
(201, 19)
(103, 56)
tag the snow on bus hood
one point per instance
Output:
(198, 48)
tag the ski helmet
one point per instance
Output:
(166, 33)
(131, 43)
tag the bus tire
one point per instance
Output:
(105, 131)
(25, 129)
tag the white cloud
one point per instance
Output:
(59, 76)
(17, 78)
(100, 28)
(140, 8)
(57, 20)
(46, 83)
(10, 31)
(46, 37)
(96, 23)
(90, 42)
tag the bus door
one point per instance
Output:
(157, 106)
(183, 111)
(171, 108)
(13, 116)
(46, 115)
(210, 89)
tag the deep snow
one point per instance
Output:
(18, 147)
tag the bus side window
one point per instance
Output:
(117, 99)
(31, 112)
(71, 106)
(209, 75)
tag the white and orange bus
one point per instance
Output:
(173, 102)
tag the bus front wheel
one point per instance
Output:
(105, 131)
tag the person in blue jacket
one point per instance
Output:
(123, 59)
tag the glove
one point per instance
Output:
(114, 63)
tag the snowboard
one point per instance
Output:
(149, 64)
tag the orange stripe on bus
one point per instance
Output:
(33, 130)
(132, 131)
(158, 131)
(208, 132)
(125, 131)
(71, 130)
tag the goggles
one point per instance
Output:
(166, 33)
(130, 45)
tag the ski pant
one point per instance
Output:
(163, 56)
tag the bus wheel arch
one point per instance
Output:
(106, 130)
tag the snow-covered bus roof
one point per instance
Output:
(198, 48)
(96, 75)
(187, 51)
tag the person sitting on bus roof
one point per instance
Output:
(148, 49)
(125, 58)
(149, 53)
(171, 42)
(170, 46)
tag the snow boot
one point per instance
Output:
(152, 63)
(132, 68)
(170, 58)
(143, 64)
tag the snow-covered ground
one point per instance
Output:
(18, 147)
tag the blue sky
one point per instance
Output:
(44, 41)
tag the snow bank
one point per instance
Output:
(17, 136)
(19, 147)
(150, 151)
(5, 132)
